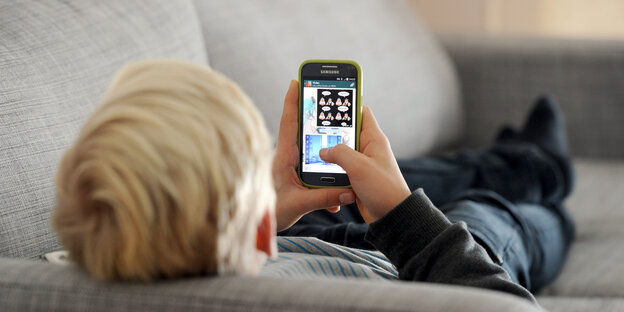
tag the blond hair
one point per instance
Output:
(169, 177)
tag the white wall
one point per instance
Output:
(561, 18)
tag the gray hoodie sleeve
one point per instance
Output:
(425, 246)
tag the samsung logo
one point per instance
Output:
(328, 71)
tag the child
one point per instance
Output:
(172, 177)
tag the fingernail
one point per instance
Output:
(346, 198)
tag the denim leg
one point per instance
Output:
(549, 242)
(442, 178)
(529, 240)
(519, 171)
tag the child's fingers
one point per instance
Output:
(314, 199)
(289, 122)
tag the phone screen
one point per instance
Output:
(329, 118)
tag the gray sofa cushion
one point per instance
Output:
(408, 79)
(594, 265)
(56, 60)
(582, 304)
(38, 286)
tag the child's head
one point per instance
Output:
(171, 176)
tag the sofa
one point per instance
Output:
(429, 93)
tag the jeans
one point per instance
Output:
(510, 196)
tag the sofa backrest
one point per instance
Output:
(409, 81)
(58, 57)
(56, 60)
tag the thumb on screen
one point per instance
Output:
(343, 156)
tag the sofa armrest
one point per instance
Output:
(501, 77)
(27, 285)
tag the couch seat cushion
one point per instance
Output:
(27, 285)
(594, 265)
(581, 304)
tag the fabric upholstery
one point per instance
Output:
(33, 286)
(408, 80)
(582, 304)
(56, 60)
(501, 77)
(57, 57)
(594, 264)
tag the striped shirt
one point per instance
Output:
(308, 257)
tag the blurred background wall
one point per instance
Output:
(548, 18)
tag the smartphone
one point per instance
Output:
(330, 111)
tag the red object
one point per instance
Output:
(308, 84)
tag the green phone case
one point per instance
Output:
(358, 111)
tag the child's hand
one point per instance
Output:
(373, 172)
(293, 199)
